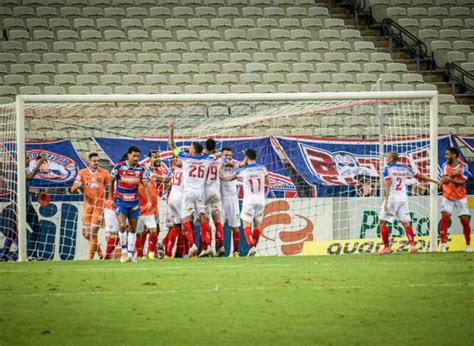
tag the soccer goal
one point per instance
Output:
(324, 153)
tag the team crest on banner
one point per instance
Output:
(336, 166)
(62, 165)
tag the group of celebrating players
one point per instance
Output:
(201, 185)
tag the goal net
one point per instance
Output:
(324, 154)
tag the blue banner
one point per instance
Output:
(62, 165)
(281, 184)
(468, 141)
(338, 167)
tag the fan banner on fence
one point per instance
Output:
(468, 141)
(61, 167)
(281, 186)
(340, 166)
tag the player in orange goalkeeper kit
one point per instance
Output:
(93, 180)
(454, 177)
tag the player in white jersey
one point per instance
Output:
(230, 197)
(175, 198)
(254, 179)
(213, 196)
(195, 166)
(395, 205)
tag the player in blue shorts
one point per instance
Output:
(127, 175)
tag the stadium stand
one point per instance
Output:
(182, 46)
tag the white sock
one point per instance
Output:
(123, 239)
(132, 237)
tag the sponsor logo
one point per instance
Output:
(373, 246)
(278, 213)
(57, 168)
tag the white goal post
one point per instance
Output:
(22, 102)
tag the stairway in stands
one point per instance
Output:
(373, 34)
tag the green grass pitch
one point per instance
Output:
(423, 299)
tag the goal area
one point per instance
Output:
(324, 153)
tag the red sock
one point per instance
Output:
(219, 235)
(139, 246)
(152, 239)
(206, 234)
(248, 236)
(167, 237)
(466, 229)
(443, 233)
(236, 239)
(181, 249)
(110, 247)
(189, 231)
(172, 235)
(410, 235)
(384, 232)
(256, 236)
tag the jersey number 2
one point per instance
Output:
(398, 186)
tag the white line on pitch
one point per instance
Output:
(219, 288)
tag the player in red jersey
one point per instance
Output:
(454, 177)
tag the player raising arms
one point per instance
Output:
(93, 180)
(230, 198)
(395, 204)
(195, 165)
(254, 179)
(129, 174)
(453, 180)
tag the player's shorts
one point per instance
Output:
(147, 221)
(230, 211)
(193, 203)
(111, 221)
(213, 202)
(174, 212)
(252, 212)
(92, 215)
(397, 210)
(131, 211)
(459, 207)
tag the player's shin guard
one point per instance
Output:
(256, 236)
(139, 246)
(466, 228)
(385, 237)
(132, 237)
(206, 233)
(166, 239)
(93, 242)
(111, 239)
(249, 236)
(410, 235)
(181, 247)
(189, 232)
(219, 235)
(173, 233)
(236, 239)
(443, 232)
(123, 241)
(152, 239)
